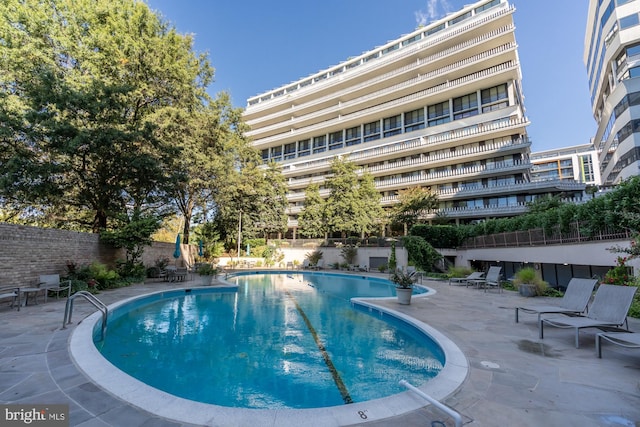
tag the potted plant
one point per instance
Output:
(207, 272)
(404, 285)
(529, 283)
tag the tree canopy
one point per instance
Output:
(84, 82)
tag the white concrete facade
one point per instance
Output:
(440, 108)
(612, 58)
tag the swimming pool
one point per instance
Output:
(178, 302)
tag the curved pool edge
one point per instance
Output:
(114, 381)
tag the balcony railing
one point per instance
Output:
(415, 143)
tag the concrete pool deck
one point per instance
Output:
(514, 378)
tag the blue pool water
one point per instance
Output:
(280, 341)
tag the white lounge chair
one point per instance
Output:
(623, 339)
(608, 311)
(574, 301)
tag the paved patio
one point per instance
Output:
(514, 378)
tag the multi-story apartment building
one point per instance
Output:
(578, 163)
(440, 107)
(612, 58)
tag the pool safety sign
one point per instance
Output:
(34, 415)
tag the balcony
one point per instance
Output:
(366, 113)
(338, 107)
(417, 145)
(272, 99)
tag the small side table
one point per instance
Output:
(33, 292)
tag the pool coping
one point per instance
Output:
(114, 381)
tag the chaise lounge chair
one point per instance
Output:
(623, 339)
(608, 311)
(476, 275)
(575, 300)
(492, 279)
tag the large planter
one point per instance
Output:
(527, 290)
(206, 280)
(404, 295)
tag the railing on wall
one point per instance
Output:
(540, 236)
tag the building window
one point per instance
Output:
(390, 49)
(465, 106)
(319, 144)
(276, 153)
(460, 18)
(494, 98)
(438, 113)
(411, 39)
(392, 125)
(434, 30)
(414, 120)
(487, 6)
(265, 155)
(353, 136)
(290, 151)
(335, 140)
(304, 147)
(629, 21)
(372, 131)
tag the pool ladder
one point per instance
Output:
(453, 414)
(93, 300)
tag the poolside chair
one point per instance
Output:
(51, 283)
(623, 339)
(608, 311)
(574, 301)
(476, 275)
(319, 265)
(492, 279)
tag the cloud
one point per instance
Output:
(435, 10)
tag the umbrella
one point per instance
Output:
(200, 248)
(176, 253)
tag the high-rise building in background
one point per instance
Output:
(440, 108)
(612, 58)
(578, 163)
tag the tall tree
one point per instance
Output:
(354, 202)
(272, 203)
(82, 83)
(342, 204)
(370, 209)
(413, 203)
(212, 146)
(312, 220)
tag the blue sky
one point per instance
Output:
(256, 46)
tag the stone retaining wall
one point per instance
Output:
(27, 252)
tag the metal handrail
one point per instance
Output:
(453, 414)
(68, 311)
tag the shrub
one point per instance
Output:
(459, 271)
(528, 275)
(314, 257)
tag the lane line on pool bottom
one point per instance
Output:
(346, 397)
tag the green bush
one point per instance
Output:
(420, 252)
